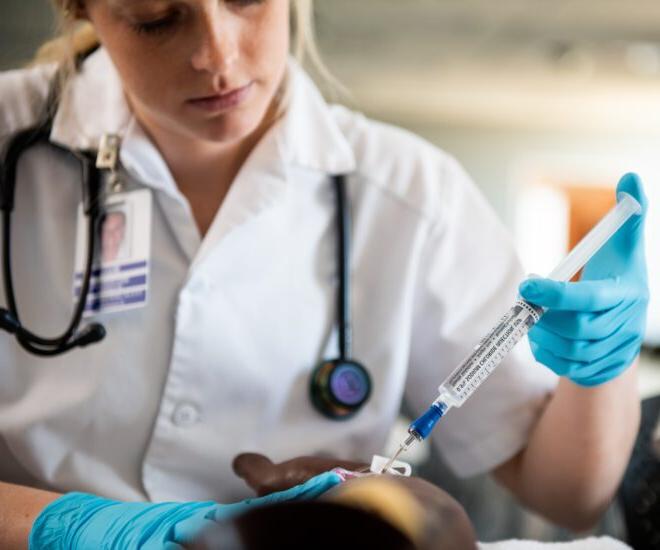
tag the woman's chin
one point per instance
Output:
(228, 129)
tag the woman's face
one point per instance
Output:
(204, 69)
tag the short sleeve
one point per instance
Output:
(468, 279)
(22, 96)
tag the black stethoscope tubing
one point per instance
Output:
(323, 396)
(338, 387)
(10, 318)
(343, 294)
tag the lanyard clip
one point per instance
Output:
(108, 159)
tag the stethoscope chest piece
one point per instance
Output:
(339, 388)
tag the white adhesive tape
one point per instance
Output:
(398, 467)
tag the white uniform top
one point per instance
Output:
(219, 360)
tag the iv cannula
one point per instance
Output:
(514, 325)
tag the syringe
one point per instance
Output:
(515, 324)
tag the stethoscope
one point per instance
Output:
(338, 387)
(9, 317)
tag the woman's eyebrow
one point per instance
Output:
(129, 3)
(139, 6)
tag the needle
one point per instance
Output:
(391, 461)
(403, 447)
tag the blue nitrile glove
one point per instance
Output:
(593, 328)
(79, 521)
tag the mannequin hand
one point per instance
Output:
(265, 477)
(310, 489)
(593, 329)
(78, 521)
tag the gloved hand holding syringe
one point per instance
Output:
(515, 324)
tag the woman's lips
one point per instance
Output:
(221, 102)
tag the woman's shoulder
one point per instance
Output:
(23, 93)
(399, 161)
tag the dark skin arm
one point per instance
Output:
(265, 477)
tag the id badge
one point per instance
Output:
(120, 276)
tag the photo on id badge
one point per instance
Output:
(120, 276)
(115, 244)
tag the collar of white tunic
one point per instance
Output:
(94, 104)
(307, 136)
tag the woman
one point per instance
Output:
(236, 149)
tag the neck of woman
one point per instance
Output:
(204, 170)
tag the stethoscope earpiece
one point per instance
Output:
(339, 388)
(91, 334)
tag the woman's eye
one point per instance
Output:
(157, 26)
(245, 2)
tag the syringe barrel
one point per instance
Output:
(596, 238)
(489, 353)
(494, 347)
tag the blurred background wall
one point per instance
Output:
(546, 104)
(24, 24)
(533, 97)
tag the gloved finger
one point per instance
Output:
(608, 367)
(265, 477)
(560, 366)
(631, 234)
(629, 240)
(589, 326)
(583, 296)
(624, 252)
(226, 512)
(581, 349)
(298, 470)
(257, 470)
(584, 372)
(311, 489)
(186, 532)
(601, 378)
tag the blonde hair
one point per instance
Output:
(76, 36)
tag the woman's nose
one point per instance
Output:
(217, 47)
